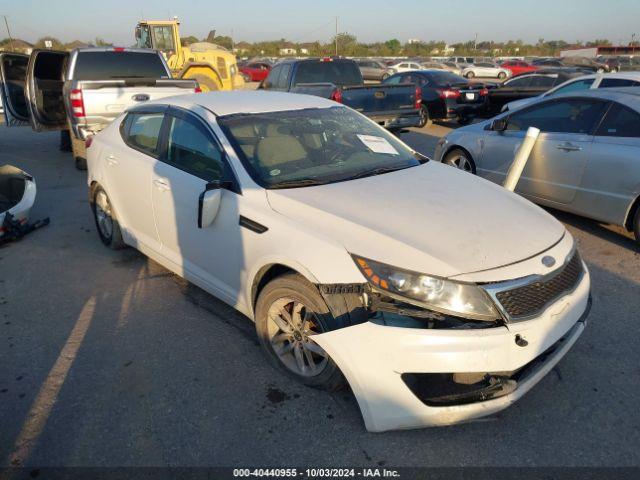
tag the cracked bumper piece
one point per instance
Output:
(411, 377)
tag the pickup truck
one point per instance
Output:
(392, 106)
(82, 91)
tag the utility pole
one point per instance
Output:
(475, 44)
(336, 36)
(232, 42)
(8, 33)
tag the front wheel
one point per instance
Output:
(469, 74)
(460, 159)
(384, 76)
(502, 75)
(289, 311)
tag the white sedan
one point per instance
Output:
(404, 67)
(356, 257)
(486, 70)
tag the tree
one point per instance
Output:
(393, 45)
(346, 44)
(55, 43)
(188, 40)
(99, 42)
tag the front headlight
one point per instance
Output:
(444, 296)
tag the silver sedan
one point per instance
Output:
(585, 161)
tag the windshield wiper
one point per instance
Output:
(305, 182)
(377, 171)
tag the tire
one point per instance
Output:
(470, 75)
(274, 316)
(460, 159)
(385, 76)
(81, 163)
(65, 141)
(636, 225)
(246, 78)
(207, 84)
(502, 75)
(425, 119)
(464, 121)
(106, 220)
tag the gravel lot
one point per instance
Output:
(107, 359)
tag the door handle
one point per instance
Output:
(161, 184)
(568, 147)
(111, 160)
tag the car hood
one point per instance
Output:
(431, 219)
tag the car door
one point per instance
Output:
(13, 73)
(557, 162)
(44, 90)
(129, 166)
(193, 159)
(611, 181)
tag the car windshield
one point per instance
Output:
(299, 148)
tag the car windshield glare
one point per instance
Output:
(314, 146)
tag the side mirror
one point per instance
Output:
(209, 204)
(499, 125)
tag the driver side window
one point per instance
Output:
(565, 116)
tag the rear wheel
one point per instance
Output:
(636, 225)
(384, 76)
(425, 119)
(106, 221)
(207, 84)
(65, 141)
(470, 75)
(460, 159)
(502, 75)
(289, 311)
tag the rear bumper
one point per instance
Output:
(376, 360)
(454, 109)
(401, 119)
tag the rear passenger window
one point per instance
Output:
(191, 149)
(282, 82)
(620, 122)
(618, 82)
(142, 130)
(541, 81)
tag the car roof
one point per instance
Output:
(245, 101)
(627, 95)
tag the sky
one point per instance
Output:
(305, 21)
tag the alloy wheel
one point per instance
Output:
(290, 325)
(461, 162)
(103, 214)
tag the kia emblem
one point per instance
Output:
(548, 261)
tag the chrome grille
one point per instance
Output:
(532, 298)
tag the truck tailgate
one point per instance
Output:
(105, 100)
(380, 98)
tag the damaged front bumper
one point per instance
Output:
(414, 377)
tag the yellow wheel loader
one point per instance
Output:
(214, 67)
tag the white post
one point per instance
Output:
(520, 160)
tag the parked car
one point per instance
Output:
(518, 67)
(372, 70)
(445, 96)
(302, 214)
(255, 71)
(582, 82)
(485, 70)
(403, 67)
(339, 79)
(82, 90)
(621, 63)
(585, 160)
(586, 63)
(448, 66)
(525, 86)
(462, 62)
